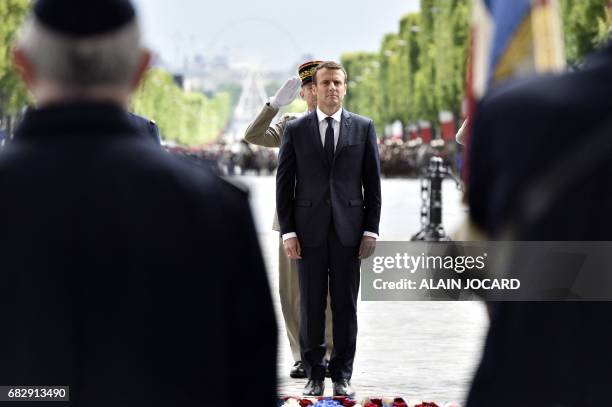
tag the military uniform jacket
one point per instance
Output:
(262, 133)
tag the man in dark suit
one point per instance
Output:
(328, 201)
(544, 354)
(131, 277)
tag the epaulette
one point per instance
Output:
(291, 116)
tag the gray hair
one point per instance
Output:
(110, 59)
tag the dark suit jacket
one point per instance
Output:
(128, 275)
(544, 354)
(310, 191)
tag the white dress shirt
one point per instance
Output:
(322, 129)
(323, 125)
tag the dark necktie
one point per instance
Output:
(328, 146)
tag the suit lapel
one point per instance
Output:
(345, 131)
(316, 138)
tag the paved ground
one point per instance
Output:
(418, 350)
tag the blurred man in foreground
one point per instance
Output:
(545, 353)
(127, 275)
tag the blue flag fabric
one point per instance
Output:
(507, 16)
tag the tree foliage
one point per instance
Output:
(184, 117)
(587, 25)
(451, 36)
(421, 69)
(363, 92)
(13, 95)
(409, 54)
(187, 118)
(390, 78)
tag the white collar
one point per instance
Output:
(336, 116)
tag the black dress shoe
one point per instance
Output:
(314, 388)
(343, 388)
(327, 373)
(297, 371)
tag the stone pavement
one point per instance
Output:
(417, 350)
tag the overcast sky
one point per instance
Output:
(270, 33)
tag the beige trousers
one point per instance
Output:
(289, 290)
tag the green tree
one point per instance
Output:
(187, 118)
(604, 27)
(451, 37)
(408, 65)
(424, 89)
(390, 78)
(421, 69)
(13, 95)
(363, 91)
(586, 25)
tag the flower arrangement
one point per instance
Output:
(385, 402)
(317, 402)
(347, 402)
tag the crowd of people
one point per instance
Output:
(398, 158)
(229, 160)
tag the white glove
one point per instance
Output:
(286, 94)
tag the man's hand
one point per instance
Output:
(286, 94)
(366, 249)
(292, 248)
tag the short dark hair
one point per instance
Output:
(329, 65)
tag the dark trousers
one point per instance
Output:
(337, 266)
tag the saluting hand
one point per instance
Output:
(286, 94)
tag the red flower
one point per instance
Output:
(399, 402)
(345, 401)
(427, 404)
(305, 403)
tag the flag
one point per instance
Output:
(510, 39)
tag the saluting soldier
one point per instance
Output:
(263, 133)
